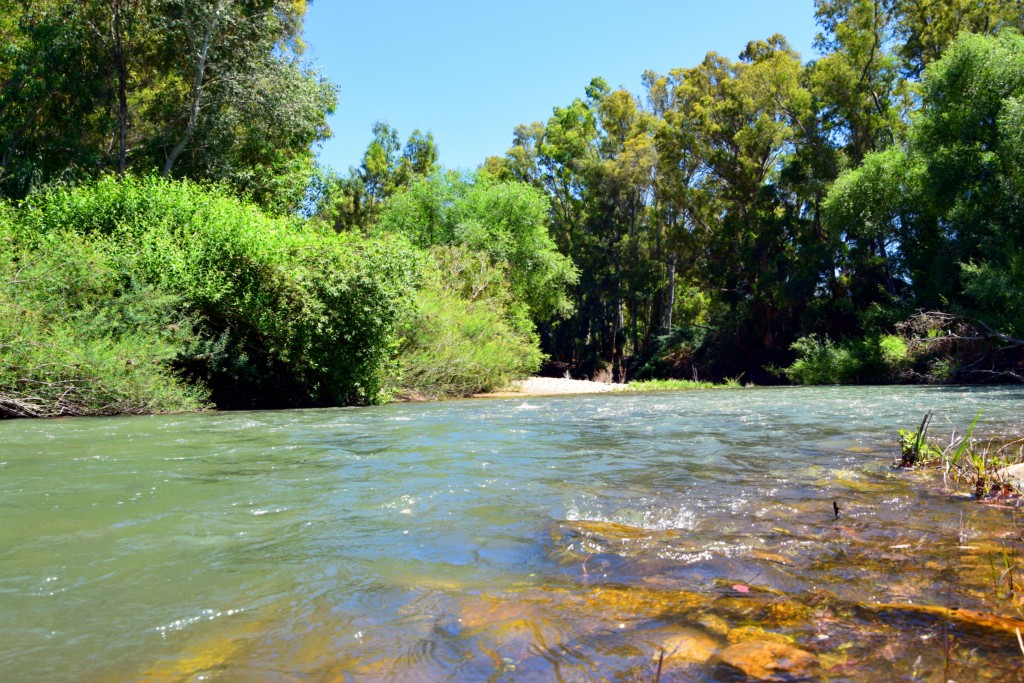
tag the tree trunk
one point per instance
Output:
(634, 304)
(121, 65)
(670, 299)
(197, 93)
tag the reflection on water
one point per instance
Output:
(580, 538)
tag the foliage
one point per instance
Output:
(738, 215)
(894, 351)
(504, 219)
(353, 202)
(676, 353)
(285, 313)
(952, 197)
(203, 89)
(867, 360)
(821, 361)
(466, 335)
(680, 385)
(81, 333)
(801, 200)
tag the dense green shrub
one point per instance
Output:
(81, 334)
(286, 312)
(821, 361)
(468, 333)
(894, 352)
(869, 360)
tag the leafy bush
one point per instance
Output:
(468, 334)
(80, 334)
(874, 359)
(286, 313)
(821, 361)
(894, 352)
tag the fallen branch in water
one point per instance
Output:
(967, 618)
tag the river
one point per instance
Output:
(564, 538)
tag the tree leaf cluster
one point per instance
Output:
(201, 89)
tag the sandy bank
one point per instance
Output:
(552, 386)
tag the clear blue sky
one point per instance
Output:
(470, 71)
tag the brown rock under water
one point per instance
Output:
(764, 660)
(687, 646)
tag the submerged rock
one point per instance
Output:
(687, 646)
(580, 538)
(714, 624)
(745, 634)
(763, 660)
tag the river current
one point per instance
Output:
(593, 537)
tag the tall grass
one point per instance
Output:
(681, 385)
(967, 462)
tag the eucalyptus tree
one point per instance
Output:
(953, 195)
(354, 201)
(623, 190)
(925, 28)
(857, 83)
(732, 132)
(595, 159)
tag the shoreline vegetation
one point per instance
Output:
(554, 386)
(169, 243)
(987, 466)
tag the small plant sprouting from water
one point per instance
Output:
(914, 447)
(966, 461)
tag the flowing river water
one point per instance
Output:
(567, 538)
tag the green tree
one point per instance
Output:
(507, 220)
(952, 197)
(354, 201)
(864, 103)
(925, 28)
(205, 89)
(49, 111)
(732, 133)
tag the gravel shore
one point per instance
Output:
(552, 386)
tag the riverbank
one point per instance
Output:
(552, 386)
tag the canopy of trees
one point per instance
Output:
(203, 89)
(736, 207)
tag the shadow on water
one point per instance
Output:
(686, 537)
